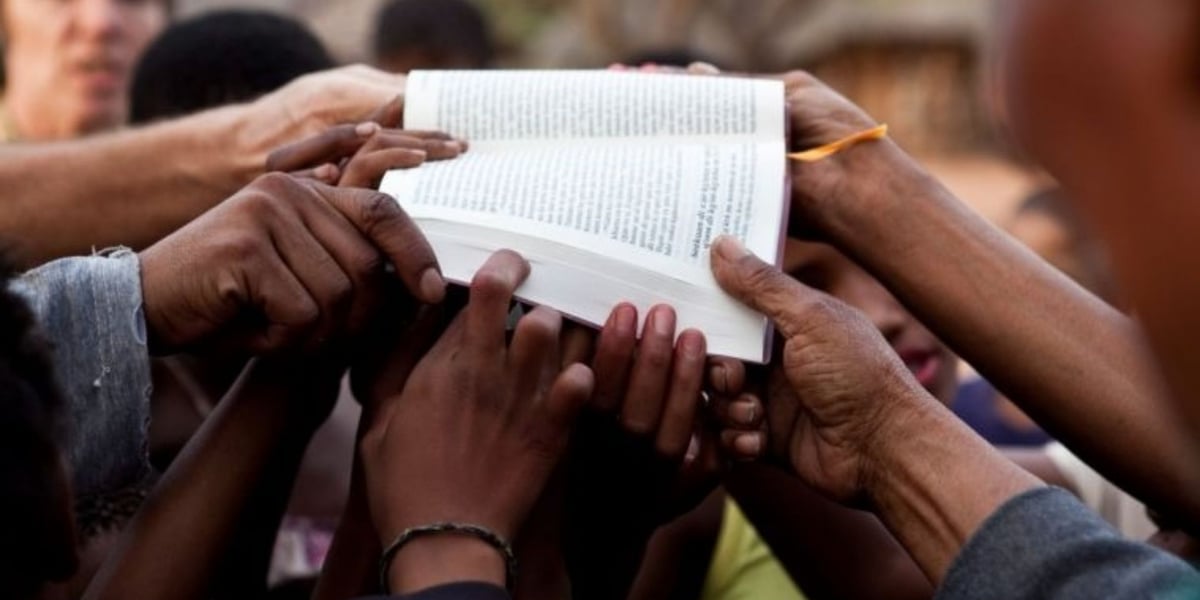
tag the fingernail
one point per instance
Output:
(703, 68)
(748, 444)
(420, 154)
(719, 377)
(453, 146)
(745, 414)
(693, 449)
(664, 322)
(730, 248)
(433, 287)
(367, 128)
(691, 345)
(626, 320)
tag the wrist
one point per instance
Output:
(444, 558)
(255, 132)
(849, 192)
(933, 482)
(158, 339)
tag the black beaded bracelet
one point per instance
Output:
(492, 538)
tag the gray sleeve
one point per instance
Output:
(1045, 544)
(90, 308)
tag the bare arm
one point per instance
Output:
(854, 424)
(833, 551)
(829, 550)
(1075, 365)
(128, 188)
(352, 566)
(133, 187)
(215, 512)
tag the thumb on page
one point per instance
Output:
(761, 286)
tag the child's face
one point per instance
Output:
(824, 268)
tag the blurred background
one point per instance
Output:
(923, 66)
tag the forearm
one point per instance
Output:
(128, 188)
(1074, 364)
(829, 550)
(934, 482)
(181, 538)
(352, 565)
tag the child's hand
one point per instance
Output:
(357, 155)
(650, 450)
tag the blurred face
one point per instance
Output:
(69, 62)
(823, 268)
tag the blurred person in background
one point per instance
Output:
(68, 64)
(222, 57)
(432, 34)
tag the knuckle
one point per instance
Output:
(680, 414)
(275, 181)
(756, 274)
(656, 358)
(340, 292)
(242, 247)
(365, 261)
(307, 314)
(489, 284)
(379, 209)
(229, 288)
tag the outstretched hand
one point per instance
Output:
(847, 387)
(652, 422)
(358, 155)
(650, 449)
(284, 263)
(481, 423)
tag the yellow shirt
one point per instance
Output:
(743, 567)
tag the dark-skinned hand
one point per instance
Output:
(285, 263)
(649, 450)
(480, 423)
(358, 155)
(846, 383)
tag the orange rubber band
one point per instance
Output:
(820, 152)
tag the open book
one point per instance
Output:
(612, 184)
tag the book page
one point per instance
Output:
(489, 106)
(659, 206)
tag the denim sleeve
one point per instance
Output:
(90, 308)
(1045, 544)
